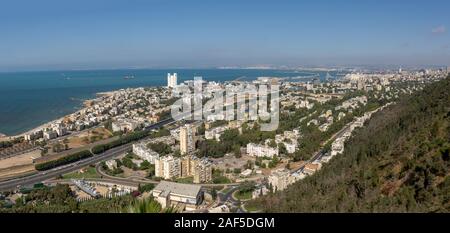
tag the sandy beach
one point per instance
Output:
(41, 127)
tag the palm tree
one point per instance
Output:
(149, 205)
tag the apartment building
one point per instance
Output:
(261, 150)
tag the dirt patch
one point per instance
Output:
(18, 165)
(19, 160)
(88, 137)
(127, 172)
(231, 162)
(12, 172)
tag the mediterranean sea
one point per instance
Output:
(30, 99)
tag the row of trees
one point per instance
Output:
(231, 141)
(6, 144)
(161, 148)
(134, 136)
(63, 161)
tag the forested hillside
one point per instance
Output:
(398, 162)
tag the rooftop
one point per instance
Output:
(189, 190)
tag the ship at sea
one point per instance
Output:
(129, 77)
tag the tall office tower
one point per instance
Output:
(187, 143)
(171, 80)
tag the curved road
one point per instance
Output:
(52, 173)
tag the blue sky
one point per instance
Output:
(39, 35)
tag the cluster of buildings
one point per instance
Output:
(352, 103)
(216, 132)
(282, 178)
(289, 139)
(327, 118)
(126, 108)
(53, 131)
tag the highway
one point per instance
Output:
(45, 175)
(49, 174)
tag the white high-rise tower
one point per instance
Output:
(172, 80)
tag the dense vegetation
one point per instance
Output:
(231, 141)
(63, 161)
(61, 199)
(161, 148)
(398, 162)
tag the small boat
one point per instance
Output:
(129, 77)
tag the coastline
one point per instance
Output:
(157, 80)
(40, 127)
(85, 104)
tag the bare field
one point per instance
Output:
(88, 137)
(231, 162)
(16, 171)
(18, 165)
(19, 160)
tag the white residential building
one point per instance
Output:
(290, 147)
(111, 164)
(172, 80)
(261, 150)
(259, 191)
(124, 124)
(145, 153)
(279, 179)
(215, 133)
(50, 134)
(337, 147)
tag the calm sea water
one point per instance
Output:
(29, 99)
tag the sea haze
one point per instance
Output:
(29, 99)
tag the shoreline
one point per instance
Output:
(85, 104)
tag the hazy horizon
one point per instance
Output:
(85, 35)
